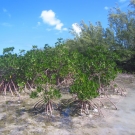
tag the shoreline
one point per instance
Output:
(14, 118)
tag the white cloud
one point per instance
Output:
(76, 28)
(65, 29)
(49, 17)
(106, 8)
(122, 1)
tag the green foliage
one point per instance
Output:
(91, 59)
(92, 69)
(123, 25)
(39, 67)
(90, 36)
(39, 89)
(51, 94)
(8, 50)
(33, 94)
(84, 88)
(91, 65)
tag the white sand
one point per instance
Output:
(116, 122)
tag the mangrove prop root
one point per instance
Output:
(48, 108)
(5, 89)
(116, 87)
(11, 90)
(15, 89)
(29, 86)
(1, 84)
(86, 106)
(112, 103)
(41, 105)
(98, 108)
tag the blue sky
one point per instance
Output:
(24, 23)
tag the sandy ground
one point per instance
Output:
(16, 120)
